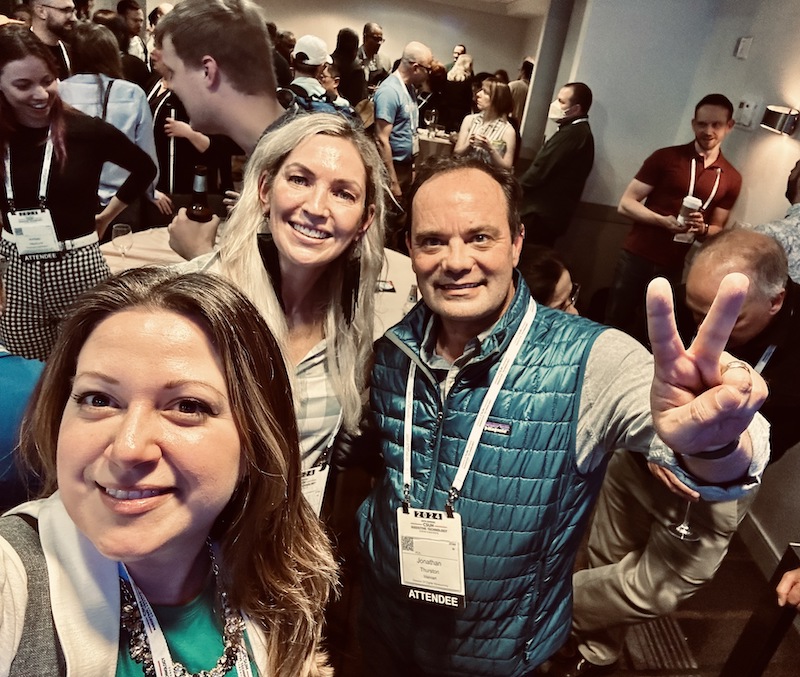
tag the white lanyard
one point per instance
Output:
(480, 422)
(692, 180)
(171, 143)
(43, 179)
(413, 109)
(765, 358)
(66, 57)
(162, 660)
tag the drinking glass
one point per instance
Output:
(684, 531)
(431, 115)
(121, 238)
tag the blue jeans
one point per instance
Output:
(627, 294)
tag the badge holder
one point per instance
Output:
(431, 542)
(431, 555)
(313, 482)
(34, 234)
(33, 229)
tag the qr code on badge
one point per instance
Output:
(408, 543)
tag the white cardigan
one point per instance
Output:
(84, 594)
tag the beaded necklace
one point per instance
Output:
(139, 646)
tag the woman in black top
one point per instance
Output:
(51, 228)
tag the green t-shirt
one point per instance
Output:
(193, 633)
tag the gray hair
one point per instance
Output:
(758, 256)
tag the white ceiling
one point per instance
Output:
(521, 8)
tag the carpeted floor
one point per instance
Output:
(693, 642)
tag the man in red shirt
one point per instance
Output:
(657, 243)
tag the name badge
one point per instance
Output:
(431, 557)
(34, 232)
(312, 483)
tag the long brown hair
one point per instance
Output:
(18, 42)
(278, 567)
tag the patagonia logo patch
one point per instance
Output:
(498, 428)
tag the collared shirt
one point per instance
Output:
(444, 370)
(787, 232)
(375, 68)
(318, 410)
(614, 411)
(138, 49)
(668, 171)
(127, 110)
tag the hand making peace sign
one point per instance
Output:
(702, 398)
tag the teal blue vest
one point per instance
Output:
(523, 505)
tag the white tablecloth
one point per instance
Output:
(151, 247)
(431, 146)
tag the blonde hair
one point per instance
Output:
(349, 340)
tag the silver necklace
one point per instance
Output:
(139, 648)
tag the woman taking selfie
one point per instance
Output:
(170, 466)
(53, 159)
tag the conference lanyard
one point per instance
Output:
(480, 422)
(65, 54)
(162, 660)
(765, 358)
(692, 178)
(314, 480)
(413, 114)
(171, 143)
(44, 178)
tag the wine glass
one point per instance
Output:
(431, 115)
(121, 238)
(684, 531)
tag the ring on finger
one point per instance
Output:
(736, 364)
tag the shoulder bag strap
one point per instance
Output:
(39, 651)
(105, 99)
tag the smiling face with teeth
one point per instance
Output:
(148, 452)
(316, 203)
(29, 87)
(462, 249)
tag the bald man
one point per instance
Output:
(396, 124)
(638, 571)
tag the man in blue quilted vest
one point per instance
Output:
(497, 417)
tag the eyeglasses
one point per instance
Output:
(572, 299)
(377, 38)
(427, 69)
(64, 10)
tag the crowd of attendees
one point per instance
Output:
(177, 417)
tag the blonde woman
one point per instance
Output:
(305, 243)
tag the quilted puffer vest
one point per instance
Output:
(523, 504)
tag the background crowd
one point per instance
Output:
(177, 417)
